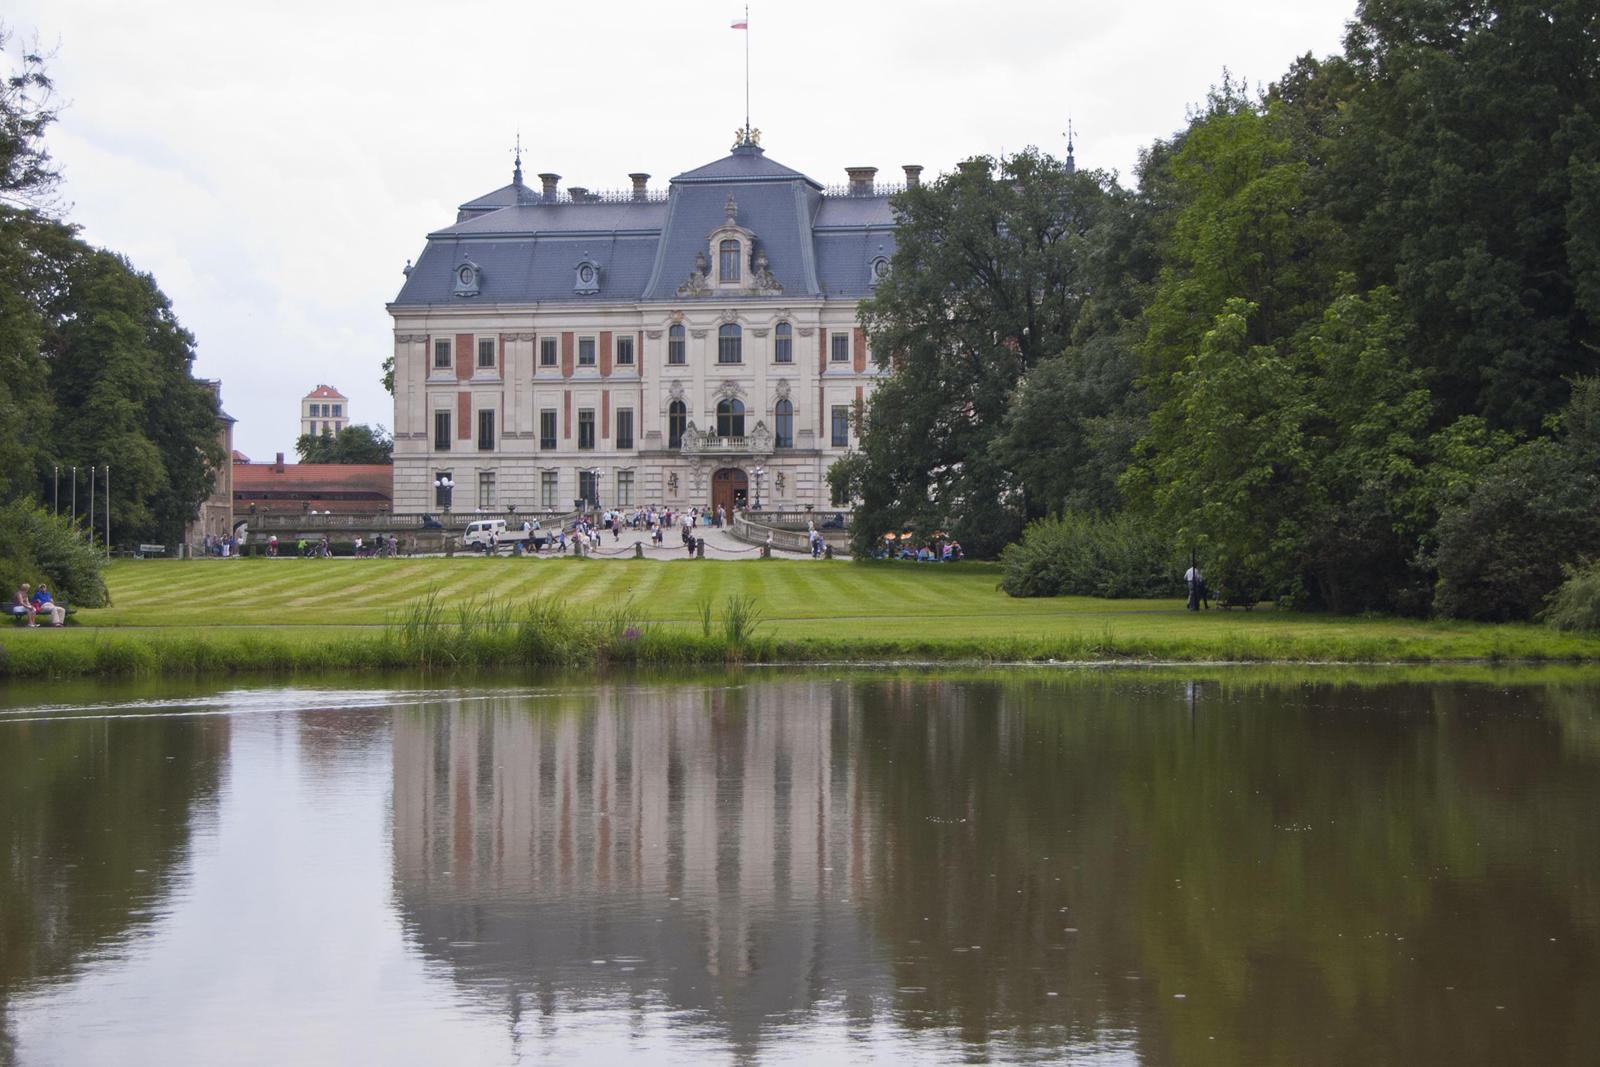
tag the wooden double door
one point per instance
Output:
(730, 490)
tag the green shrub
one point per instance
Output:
(1502, 548)
(35, 546)
(1078, 554)
(1575, 605)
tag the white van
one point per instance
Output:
(481, 532)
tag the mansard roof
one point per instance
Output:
(526, 248)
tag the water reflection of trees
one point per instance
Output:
(94, 816)
(1267, 876)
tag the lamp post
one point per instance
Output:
(443, 490)
(759, 472)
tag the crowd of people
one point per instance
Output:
(934, 551)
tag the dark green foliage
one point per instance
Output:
(1575, 605)
(124, 396)
(1466, 174)
(1504, 546)
(993, 273)
(1083, 554)
(353, 444)
(34, 547)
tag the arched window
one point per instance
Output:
(729, 265)
(675, 353)
(730, 418)
(677, 416)
(783, 343)
(730, 344)
(783, 417)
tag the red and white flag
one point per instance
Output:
(742, 24)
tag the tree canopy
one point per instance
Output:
(353, 444)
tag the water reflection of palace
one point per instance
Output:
(701, 845)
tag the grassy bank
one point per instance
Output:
(206, 616)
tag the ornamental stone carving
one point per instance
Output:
(675, 390)
(760, 332)
(780, 391)
(730, 315)
(729, 389)
(411, 338)
(697, 333)
(697, 283)
(654, 335)
(760, 437)
(806, 331)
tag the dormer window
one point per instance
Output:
(469, 279)
(730, 253)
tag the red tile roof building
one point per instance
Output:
(342, 488)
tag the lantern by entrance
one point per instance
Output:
(730, 489)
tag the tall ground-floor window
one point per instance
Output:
(624, 489)
(841, 425)
(548, 487)
(589, 487)
(486, 490)
(677, 417)
(783, 424)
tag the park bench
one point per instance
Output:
(19, 614)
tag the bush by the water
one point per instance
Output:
(1575, 606)
(37, 546)
(1078, 554)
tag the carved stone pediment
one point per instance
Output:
(730, 315)
(730, 389)
(675, 390)
(780, 391)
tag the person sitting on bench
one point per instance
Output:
(22, 603)
(43, 601)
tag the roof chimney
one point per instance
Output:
(861, 180)
(277, 464)
(578, 193)
(913, 175)
(638, 185)
(550, 182)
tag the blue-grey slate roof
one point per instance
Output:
(527, 248)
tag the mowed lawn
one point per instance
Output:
(833, 601)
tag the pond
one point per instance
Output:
(1223, 867)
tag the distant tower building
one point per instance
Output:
(323, 410)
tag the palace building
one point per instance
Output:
(697, 346)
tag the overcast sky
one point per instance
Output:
(275, 166)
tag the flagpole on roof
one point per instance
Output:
(747, 69)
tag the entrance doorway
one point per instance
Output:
(730, 490)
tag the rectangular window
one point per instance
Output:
(589, 487)
(338, 411)
(675, 346)
(547, 352)
(730, 344)
(486, 490)
(586, 351)
(485, 353)
(547, 489)
(441, 431)
(586, 427)
(547, 428)
(486, 431)
(841, 348)
(624, 489)
(624, 427)
(783, 346)
(841, 425)
(624, 351)
(441, 355)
